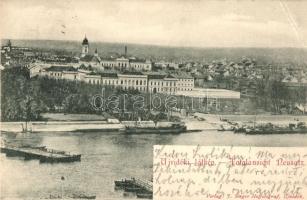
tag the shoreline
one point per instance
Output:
(261, 118)
(60, 126)
(199, 121)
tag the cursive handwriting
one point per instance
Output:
(199, 172)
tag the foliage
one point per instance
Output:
(20, 97)
(24, 98)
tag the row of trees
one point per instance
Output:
(20, 97)
(24, 98)
(268, 93)
(274, 95)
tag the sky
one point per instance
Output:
(196, 23)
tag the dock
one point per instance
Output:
(141, 187)
(142, 183)
(43, 154)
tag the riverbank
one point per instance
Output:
(197, 122)
(60, 126)
(248, 119)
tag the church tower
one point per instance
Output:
(9, 46)
(85, 47)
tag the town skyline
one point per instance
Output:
(173, 23)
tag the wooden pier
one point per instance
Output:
(142, 183)
(141, 187)
(43, 154)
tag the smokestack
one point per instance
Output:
(125, 50)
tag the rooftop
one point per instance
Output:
(132, 73)
(156, 76)
(104, 74)
(61, 68)
(181, 75)
(87, 58)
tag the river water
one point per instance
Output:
(105, 157)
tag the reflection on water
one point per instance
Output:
(105, 157)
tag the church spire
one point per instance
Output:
(85, 47)
(85, 41)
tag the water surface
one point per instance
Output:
(106, 157)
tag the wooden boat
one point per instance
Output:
(275, 131)
(166, 128)
(123, 183)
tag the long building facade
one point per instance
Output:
(124, 63)
(154, 83)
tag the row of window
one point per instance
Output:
(138, 88)
(163, 83)
(136, 66)
(140, 66)
(163, 90)
(55, 74)
(135, 82)
(94, 81)
(186, 80)
(184, 89)
(125, 82)
(60, 75)
(185, 85)
(125, 87)
(108, 64)
(122, 64)
(120, 82)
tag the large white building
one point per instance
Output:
(154, 83)
(123, 63)
(137, 81)
(162, 84)
(185, 82)
(142, 81)
(61, 72)
(120, 63)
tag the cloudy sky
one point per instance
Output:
(200, 23)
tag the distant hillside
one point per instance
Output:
(262, 55)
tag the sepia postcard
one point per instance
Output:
(153, 99)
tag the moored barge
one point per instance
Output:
(43, 154)
(273, 129)
(141, 127)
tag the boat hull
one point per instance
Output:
(158, 130)
(280, 131)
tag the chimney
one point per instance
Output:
(125, 50)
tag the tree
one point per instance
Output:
(20, 96)
(279, 95)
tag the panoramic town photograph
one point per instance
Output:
(89, 87)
